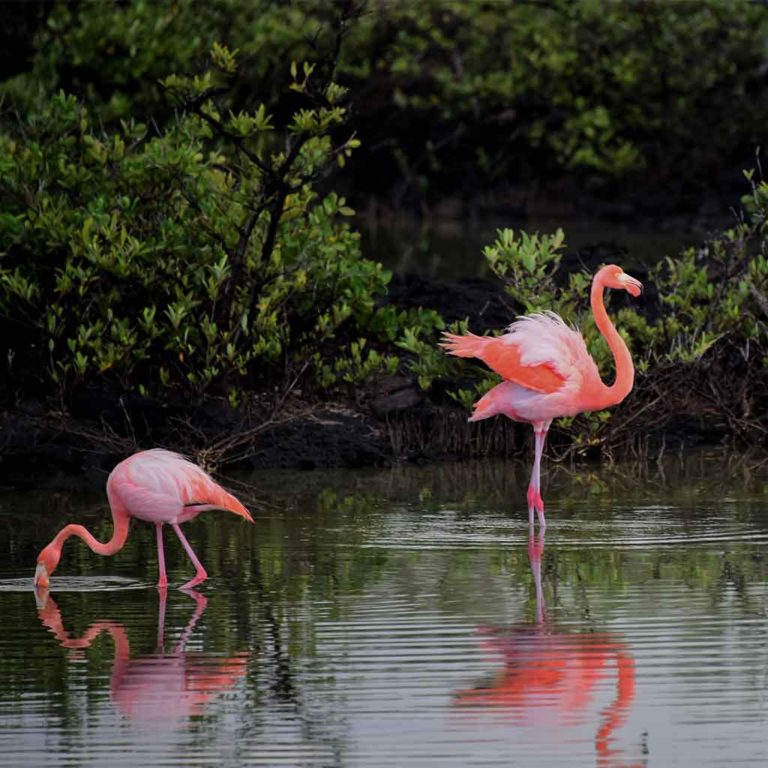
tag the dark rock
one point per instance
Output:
(400, 400)
(128, 414)
(217, 415)
(485, 303)
(324, 440)
(393, 394)
(34, 450)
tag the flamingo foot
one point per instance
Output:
(200, 577)
(536, 504)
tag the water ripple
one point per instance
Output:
(351, 629)
(75, 584)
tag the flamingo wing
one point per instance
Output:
(504, 358)
(544, 338)
(156, 506)
(158, 481)
(539, 352)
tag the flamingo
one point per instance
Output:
(160, 487)
(548, 372)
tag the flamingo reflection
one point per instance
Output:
(161, 687)
(548, 672)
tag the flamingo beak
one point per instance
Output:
(631, 284)
(41, 577)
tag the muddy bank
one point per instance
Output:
(393, 421)
(51, 449)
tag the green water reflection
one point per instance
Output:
(402, 617)
(449, 247)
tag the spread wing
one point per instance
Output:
(539, 352)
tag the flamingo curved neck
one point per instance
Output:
(625, 370)
(121, 523)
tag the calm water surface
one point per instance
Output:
(402, 618)
(449, 247)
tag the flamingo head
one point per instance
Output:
(612, 276)
(47, 562)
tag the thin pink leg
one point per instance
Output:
(201, 575)
(163, 582)
(535, 502)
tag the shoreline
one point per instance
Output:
(51, 450)
(391, 421)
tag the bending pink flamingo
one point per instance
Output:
(157, 486)
(548, 372)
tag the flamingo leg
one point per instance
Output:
(201, 575)
(163, 581)
(535, 502)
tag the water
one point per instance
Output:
(453, 247)
(400, 618)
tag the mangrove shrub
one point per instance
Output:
(197, 257)
(453, 95)
(699, 336)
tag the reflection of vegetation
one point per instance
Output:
(681, 480)
(332, 555)
(336, 536)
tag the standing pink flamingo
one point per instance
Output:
(548, 372)
(157, 486)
